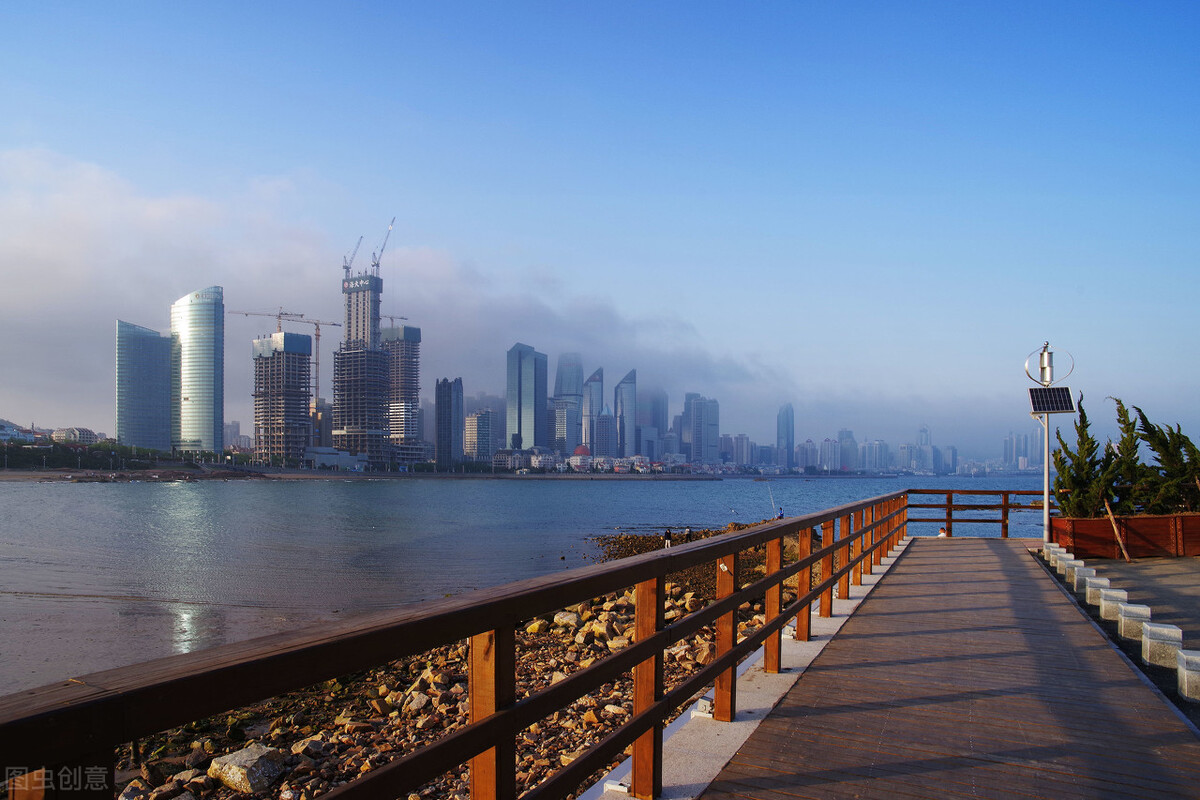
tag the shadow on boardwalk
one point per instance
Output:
(967, 673)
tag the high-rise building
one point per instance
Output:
(605, 443)
(593, 405)
(831, 455)
(282, 379)
(785, 436)
(360, 374)
(849, 456)
(448, 406)
(742, 449)
(703, 422)
(526, 397)
(625, 414)
(198, 371)
(143, 387)
(478, 437)
(568, 404)
(403, 346)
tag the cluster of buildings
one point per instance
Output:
(170, 397)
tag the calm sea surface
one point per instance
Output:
(94, 576)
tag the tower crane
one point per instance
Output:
(348, 262)
(376, 256)
(291, 316)
(279, 316)
(316, 323)
(392, 317)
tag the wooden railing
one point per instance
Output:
(949, 507)
(78, 724)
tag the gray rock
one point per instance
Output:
(137, 789)
(252, 769)
(567, 619)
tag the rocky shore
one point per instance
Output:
(300, 745)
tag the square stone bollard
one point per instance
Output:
(1048, 551)
(1081, 576)
(1094, 587)
(1061, 560)
(1130, 618)
(1110, 600)
(1161, 644)
(1071, 564)
(1188, 662)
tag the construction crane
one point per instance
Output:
(392, 318)
(279, 316)
(376, 256)
(348, 262)
(291, 316)
(316, 323)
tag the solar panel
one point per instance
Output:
(1051, 400)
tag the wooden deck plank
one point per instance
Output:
(967, 673)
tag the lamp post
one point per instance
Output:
(1044, 401)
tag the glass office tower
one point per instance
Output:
(526, 397)
(198, 371)
(143, 387)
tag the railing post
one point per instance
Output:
(1004, 515)
(774, 602)
(902, 531)
(872, 518)
(725, 687)
(845, 531)
(827, 539)
(880, 534)
(949, 513)
(492, 686)
(803, 587)
(856, 549)
(649, 600)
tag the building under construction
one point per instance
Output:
(282, 426)
(360, 384)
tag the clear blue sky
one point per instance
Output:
(874, 211)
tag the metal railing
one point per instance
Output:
(78, 724)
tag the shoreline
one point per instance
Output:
(171, 475)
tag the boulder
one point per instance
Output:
(567, 619)
(137, 789)
(252, 769)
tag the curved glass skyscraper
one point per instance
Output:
(198, 371)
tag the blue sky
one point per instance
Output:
(874, 211)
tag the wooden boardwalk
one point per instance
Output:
(967, 673)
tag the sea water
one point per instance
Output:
(100, 575)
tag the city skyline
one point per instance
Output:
(870, 212)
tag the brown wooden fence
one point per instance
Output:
(949, 506)
(78, 723)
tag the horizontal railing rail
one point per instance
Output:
(80, 722)
(949, 506)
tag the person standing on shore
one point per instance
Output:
(687, 534)
(667, 539)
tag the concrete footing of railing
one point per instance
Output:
(1081, 576)
(1094, 587)
(1161, 644)
(1062, 561)
(1071, 566)
(1188, 664)
(1130, 618)
(1110, 600)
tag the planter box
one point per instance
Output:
(1145, 536)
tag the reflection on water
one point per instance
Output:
(99, 575)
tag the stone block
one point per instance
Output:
(1071, 565)
(1081, 576)
(1161, 644)
(251, 770)
(1188, 662)
(1060, 562)
(1130, 618)
(1110, 601)
(1094, 587)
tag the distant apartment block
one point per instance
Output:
(448, 408)
(479, 435)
